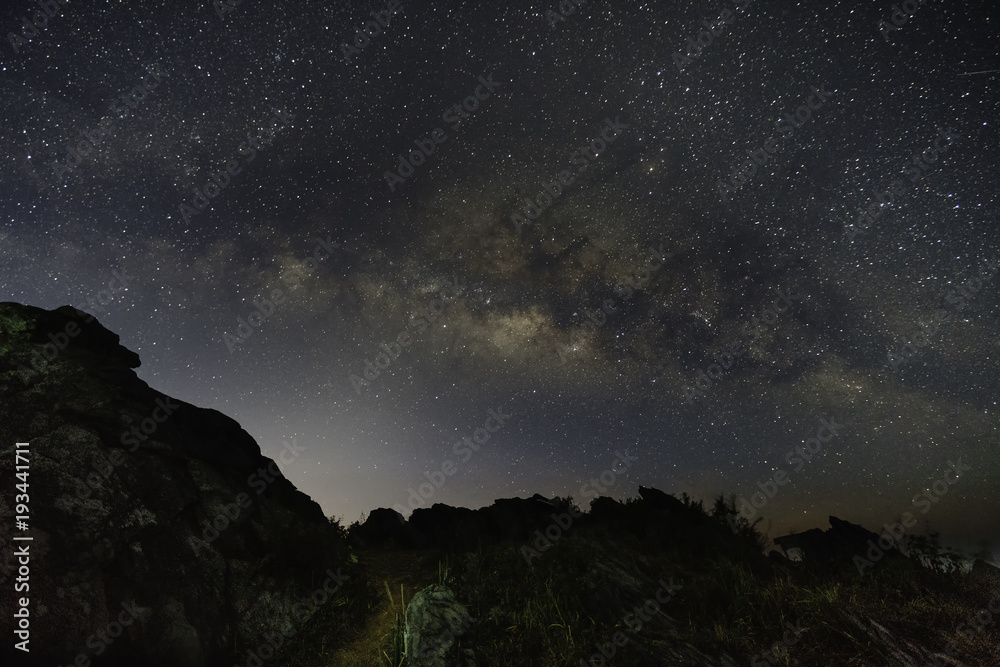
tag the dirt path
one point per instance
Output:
(413, 570)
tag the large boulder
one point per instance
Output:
(386, 529)
(839, 544)
(435, 621)
(518, 518)
(161, 535)
(658, 500)
(608, 510)
(446, 526)
(457, 528)
(986, 578)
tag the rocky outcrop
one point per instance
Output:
(161, 534)
(607, 509)
(839, 544)
(986, 574)
(518, 519)
(458, 528)
(443, 524)
(658, 500)
(986, 579)
(386, 529)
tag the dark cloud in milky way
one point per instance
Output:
(680, 253)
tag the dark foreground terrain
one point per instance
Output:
(162, 536)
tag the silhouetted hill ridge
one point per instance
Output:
(144, 503)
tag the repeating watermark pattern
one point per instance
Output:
(707, 377)
(265, 308)
(600, 484)
(901, 15)
(892, 537)
(105, 466)
(940, 487)
(624, 290)
(958, 298)
(724, 360)
(884, 638)
(778, 651)
(94, 304)
(103, 638)
(33, 25)
(916, 168)
(698, 42)
(432, 647)
(786, 127)
(757, 327)
(889, 539)
(40, 358)
(302, 611)
(978, 623)
(644, 613)
(141, 433)
(220, 180)
(372, 28)
(48, 352)
(635, 619)
(465, 447)
(455, 115)
(22, 510)
(258, 481)
(89, 141)
(392, 350)
(797, 458)
(98, 553)
(460, 112)
(581, 159)
(968, 629)
(544, 540)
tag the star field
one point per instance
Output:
(672, 245)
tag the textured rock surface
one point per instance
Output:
(840, 543)
(118, 515)
(386, 528)
(435, 621)
(443, 526)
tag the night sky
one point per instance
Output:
(591, 165)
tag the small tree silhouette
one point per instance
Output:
(726, 512)
(928, 552)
